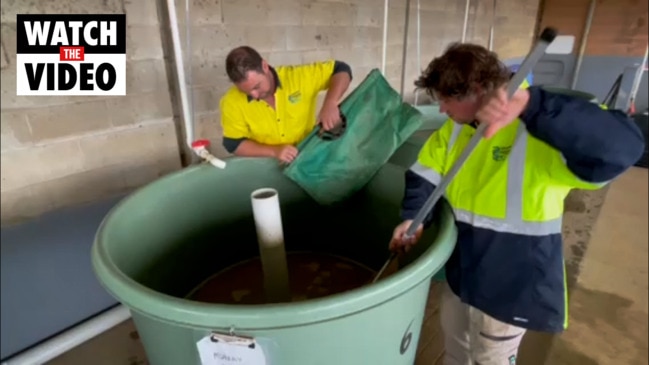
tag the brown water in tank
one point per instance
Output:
(311, 275)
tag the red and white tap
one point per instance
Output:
(200, 148)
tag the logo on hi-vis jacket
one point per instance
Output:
(500, 153)
(78, 54)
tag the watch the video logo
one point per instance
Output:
(77, 54)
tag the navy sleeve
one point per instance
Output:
(416, 193)
(340, 66)
(231, 144)
(597, 144)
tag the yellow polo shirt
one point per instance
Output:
(294, 116)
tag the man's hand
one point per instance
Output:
(399, 242)
(329, 116)
(285, 153)
(497, 111)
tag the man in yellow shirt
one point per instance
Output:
(268, 111)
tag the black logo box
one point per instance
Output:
(22, 46)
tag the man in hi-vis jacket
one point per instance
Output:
(506, 274)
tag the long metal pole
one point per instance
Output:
(405, 48)
(584, 43)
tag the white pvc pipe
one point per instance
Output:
(492, 27)
(180, 70)
(405, 49)
(188, 51)
(270, 235)
(386, 7)
(466, 20)
(584, 42)
(637, 78)
(418, 47)
(71, 338)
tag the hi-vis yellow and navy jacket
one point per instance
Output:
(508, 201)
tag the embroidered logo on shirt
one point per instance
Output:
(295, 97)
(499, 153)
(512, 360)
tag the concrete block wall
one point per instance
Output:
(59, 151)
(441, 22)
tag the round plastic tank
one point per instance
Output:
(162, 241)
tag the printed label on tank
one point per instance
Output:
(222, 349)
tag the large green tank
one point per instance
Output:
(163, 240)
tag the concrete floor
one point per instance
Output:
(606, 242)
(609, 303)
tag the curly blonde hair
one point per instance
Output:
(461, 70)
